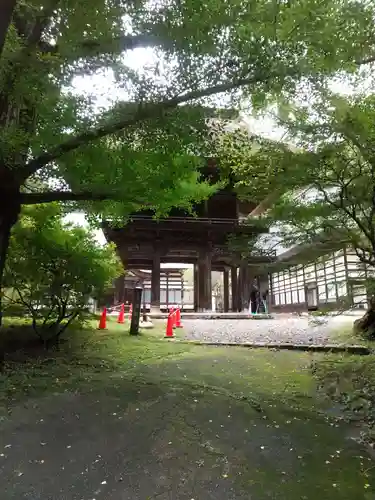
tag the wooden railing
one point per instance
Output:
(196, 220)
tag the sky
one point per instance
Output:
(102, 86)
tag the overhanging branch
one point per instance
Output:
(41, 22)
(368, 60)
(51, 196)
(122, 43)
(90, 48)
(7, 9)
(145, 111)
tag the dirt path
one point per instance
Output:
(219, 424)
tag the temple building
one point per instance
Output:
(174, 291)
(155, 251)
(322, 275)
(144, 244)
(333, 280)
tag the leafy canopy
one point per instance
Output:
(142, 144)
(325, 187)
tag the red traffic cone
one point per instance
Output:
(169, 331)
(172, 314)
(121, 316)
(103, 320)
(178, 318)
(130, 312)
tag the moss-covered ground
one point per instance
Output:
(115, 417)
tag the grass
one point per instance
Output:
(90, 356)
(85, 357)
(349, 381)
(248, 418)
(345, 335)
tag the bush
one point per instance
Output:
(54, 269)
(15, 310)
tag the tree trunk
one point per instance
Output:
(5, 228)
(6, 223)
(366, 325)
(10, 207)
(6, 13)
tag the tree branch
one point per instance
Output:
(89, 48)
(145, 111)
(41, 24)
(361, 254)
(7, 9)
(28, 306)
(65, 325)
(62, 305)
(368, 60)
(349, 210)
(51, 196)
(50, 312)
(9, 299)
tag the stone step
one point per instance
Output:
(333, 348)
(214, 315)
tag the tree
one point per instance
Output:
(54, 269)
(142, 151)
(326, 185)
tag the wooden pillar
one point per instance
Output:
(167, 290)
(123, 290)
(271, 298)
(119, 290)
(144, 313)
(234, 288)
(226, 289)
(117, 284)
(155, 283)
(195, 289)
(204, 281)
(245, 285)
(182, 291)
(241, 283)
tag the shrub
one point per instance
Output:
(54, 269)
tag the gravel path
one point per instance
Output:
(294, 330)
